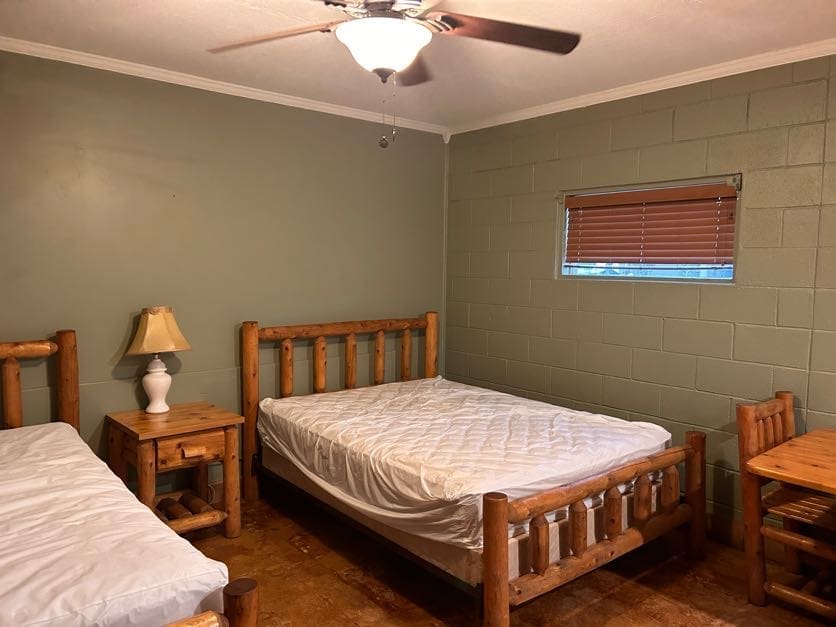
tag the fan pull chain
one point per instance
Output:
(394, 125)
(383, 142)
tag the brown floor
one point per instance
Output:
(314, 570)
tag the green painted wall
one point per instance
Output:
(678, 354)
(118, 193)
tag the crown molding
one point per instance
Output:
(804, 52)
(757, 62)
(130, 68)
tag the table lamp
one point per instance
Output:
(157, 333)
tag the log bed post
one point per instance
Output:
(695, 492)
(249, 392)
(240, 608)
(68, 404)
(495, 560)
(241, 603)
(431, 346)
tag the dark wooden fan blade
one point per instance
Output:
(415, 74)
(557, 41)
(282, 34)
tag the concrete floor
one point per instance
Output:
(314, 570)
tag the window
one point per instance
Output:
(684, 231)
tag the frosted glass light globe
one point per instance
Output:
(383, 43)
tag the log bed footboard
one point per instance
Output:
(501, 593)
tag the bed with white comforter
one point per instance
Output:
(417, 456)
(77, 548)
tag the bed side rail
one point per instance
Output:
(500, 593)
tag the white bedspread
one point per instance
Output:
(77, 548)
(419, 455)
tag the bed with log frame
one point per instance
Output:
(656, 508)
(240, 597)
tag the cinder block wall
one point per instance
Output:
(677, 354)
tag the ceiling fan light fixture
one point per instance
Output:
(381, 44)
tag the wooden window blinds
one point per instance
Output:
(689, 225)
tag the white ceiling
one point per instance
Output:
(628, 47)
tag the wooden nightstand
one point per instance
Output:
(187, 436)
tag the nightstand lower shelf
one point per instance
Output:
(185, 511)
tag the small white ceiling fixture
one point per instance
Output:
(628, 48)
(383, 45)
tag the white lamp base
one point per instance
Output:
(156, 384)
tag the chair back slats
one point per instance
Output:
(762, 426)
(64, 347)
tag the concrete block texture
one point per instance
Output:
(664, 368)
(612, 296)
(714, 117)
(533, 148)
(783, 106)
(642, 130)
(806, 144)
(698, 337)
(823, 356)
(629, 330)
(671, 161)
(772, 345)
(747, 151)
(678, 353)
(795, 308)
(669, 300)
(784, 187)
(824, 310)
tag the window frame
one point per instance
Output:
(735, 180)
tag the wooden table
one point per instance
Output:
(192, 435)
(808, 461)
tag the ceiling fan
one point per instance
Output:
(386, 36)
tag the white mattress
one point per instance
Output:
(79, 549)
(419, 455)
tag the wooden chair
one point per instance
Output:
(803, 513)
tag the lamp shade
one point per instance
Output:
(157, 333)
(383, 43)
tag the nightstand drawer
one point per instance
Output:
(188, 450)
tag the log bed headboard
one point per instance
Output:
(251, 335)
(66, 353)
